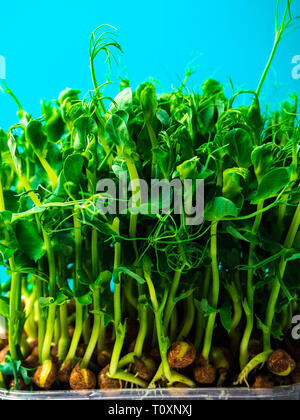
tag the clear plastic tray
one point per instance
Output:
(282, 393)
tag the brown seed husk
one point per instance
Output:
(3, 354)
(35, 352)
(203, 372)
(280, 363)
(81, 379)
(103, 358)
(71, 307)
(177, 360)
(155, 354)
(132, 330)
(71, 330)
(31, 362)
(63, 375)
(145, 368)
(33, 344)
(51, 376)
(3, 343)
(105, 382)
(21, 385)
(54, 354)
(263, 381)
(81, 349)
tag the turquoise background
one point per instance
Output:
(45, 45)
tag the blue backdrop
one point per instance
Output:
(45, 45)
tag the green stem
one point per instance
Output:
(270, 314)
(159, 328)
(215, 291)
(57, 329)
(30, 326)
(200, 324)
(102, 335)
(189, 318)
(171, 300)
(154, 144)
(255, 362)
(49, 170)
(143, 318)
(64, 340)
(129, 377)
(97, 317)
(173, 324)
(86, 329)
(79, 308)
(266, 71)
(244, 347)
(95, 332)
(15, 296)
(14, 310)
(52, 294)
(120, 330)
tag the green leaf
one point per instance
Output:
(129, 273)
(27, 374)
(264, 262)
(254, 117)
(220, 208)
(54, 125)
(6, 252)
(183, 295)
(149, 102)
(86, 299)
(262, 158)
(123, 101)
(100, 226)
(22, 215)
(292, 255)
(263, 327)
(45, 302)
(239, 146)
(206, 308)
(247, 236)
(277, 331)
(68, 94)
(83, 278)
(273, 182)
(16, 157)
(63, 296)
(104, 278)
(186, 143)
(4, 307)
(73, 168)
(29, 239)
(232, 183)
(83, 127)
(116, 132)
(226, 316)
(188, 169)
(163, 117)
(35, 136)
(284, 288)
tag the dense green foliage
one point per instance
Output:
(227, 282)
